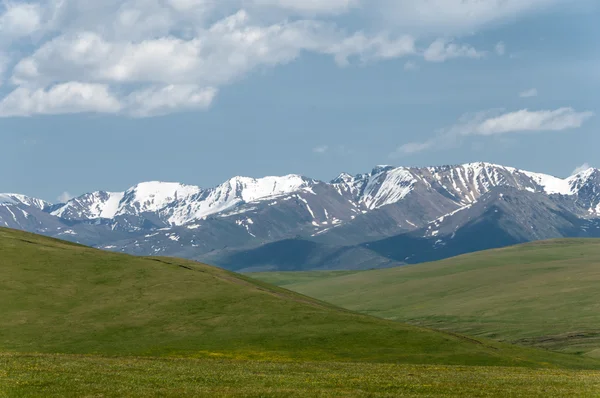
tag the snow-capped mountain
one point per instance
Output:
(16, 199)
(241, 213)
(90, 206)
(178, 204)
(586, 187)
(463, 184)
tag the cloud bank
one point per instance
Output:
(152, 57)
(490, 123)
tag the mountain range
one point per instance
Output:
(389, 216)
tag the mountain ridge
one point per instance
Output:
(552, 185)
(243, 213)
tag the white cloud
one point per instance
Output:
(321, 149)
(72, 97)
(191, 48)
(218, 55)
(338, 150)
(524, 121)
(191, 5)
(455, 16)
(64, 197)
(529, 93)
(75, 97)
(158, 101)
(19, 19)
(412, 147)
(311, 6)
(485, 124)
(579, 169)
(442, 49)
(429, 17)
(500, 48)
(88, 56)
(370, 48)
(4, 62)
(224, 52)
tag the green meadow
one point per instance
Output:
(87, 376)
(82, 322)
(542, 294)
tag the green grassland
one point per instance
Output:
(284, 278)
(79, 376)
(56, 297)
(82, 322)
(543, 294)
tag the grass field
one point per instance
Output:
(56, 297)
(78, 376)
(543, 294)
(82, 322)
(284, 278)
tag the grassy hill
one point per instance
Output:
(58, 297)
(543, 294)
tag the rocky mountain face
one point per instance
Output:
(390, 216)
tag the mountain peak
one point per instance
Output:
(485, 164)
(585, 174)
(162, 187)
(15, 199)
(99, 204)
(169, 218)
(178, 204)
(251, 189)
(154, 196)
(342, 178)
(11, 198)
(381, 168)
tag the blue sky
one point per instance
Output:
(198, 91)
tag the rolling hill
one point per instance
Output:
(59, 297)
(543, 294)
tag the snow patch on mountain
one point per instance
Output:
(579, 181)
(251, 189)
(383, 186)
(179, 204)
(445, 187)
(154, 196)
(551, 185)
(237, 191)
(91, 206)
(387, 187)
(16, 199)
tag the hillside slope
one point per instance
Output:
(543, 294)
(65, 298)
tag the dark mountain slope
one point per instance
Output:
(300, 254)
(500, 218)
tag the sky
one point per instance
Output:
(104, 95)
